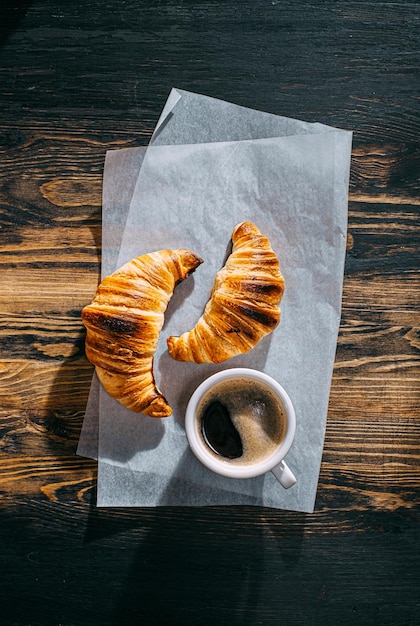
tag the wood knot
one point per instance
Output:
(44, 420)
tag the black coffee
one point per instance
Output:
(219, 431)
(241, 420)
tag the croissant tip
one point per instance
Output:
(171, 343)
(244, 228)
(158, 408)
(190, 260)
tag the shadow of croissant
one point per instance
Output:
(124, 434)
(63, 389)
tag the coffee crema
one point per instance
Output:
(256, 413)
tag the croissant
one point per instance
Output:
(243, 305)
(124, 322)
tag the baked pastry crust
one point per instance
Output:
(243, 305)
(124, 322)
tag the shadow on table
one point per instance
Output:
(11, 14)
(203, 565)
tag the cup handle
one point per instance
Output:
(284, 475)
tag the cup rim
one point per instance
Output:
(224, 468)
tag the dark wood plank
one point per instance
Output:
(150, 567)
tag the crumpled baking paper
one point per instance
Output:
(211, 164)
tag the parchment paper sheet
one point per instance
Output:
(210, 165)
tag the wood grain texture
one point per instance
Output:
(78, 79)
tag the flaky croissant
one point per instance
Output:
(243, 305)
(124, 322)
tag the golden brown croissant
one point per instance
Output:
(243, 304)
(124, 322)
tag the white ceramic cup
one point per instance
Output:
(274, 462)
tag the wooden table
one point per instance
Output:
(79, 78)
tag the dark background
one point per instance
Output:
(79, 78)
